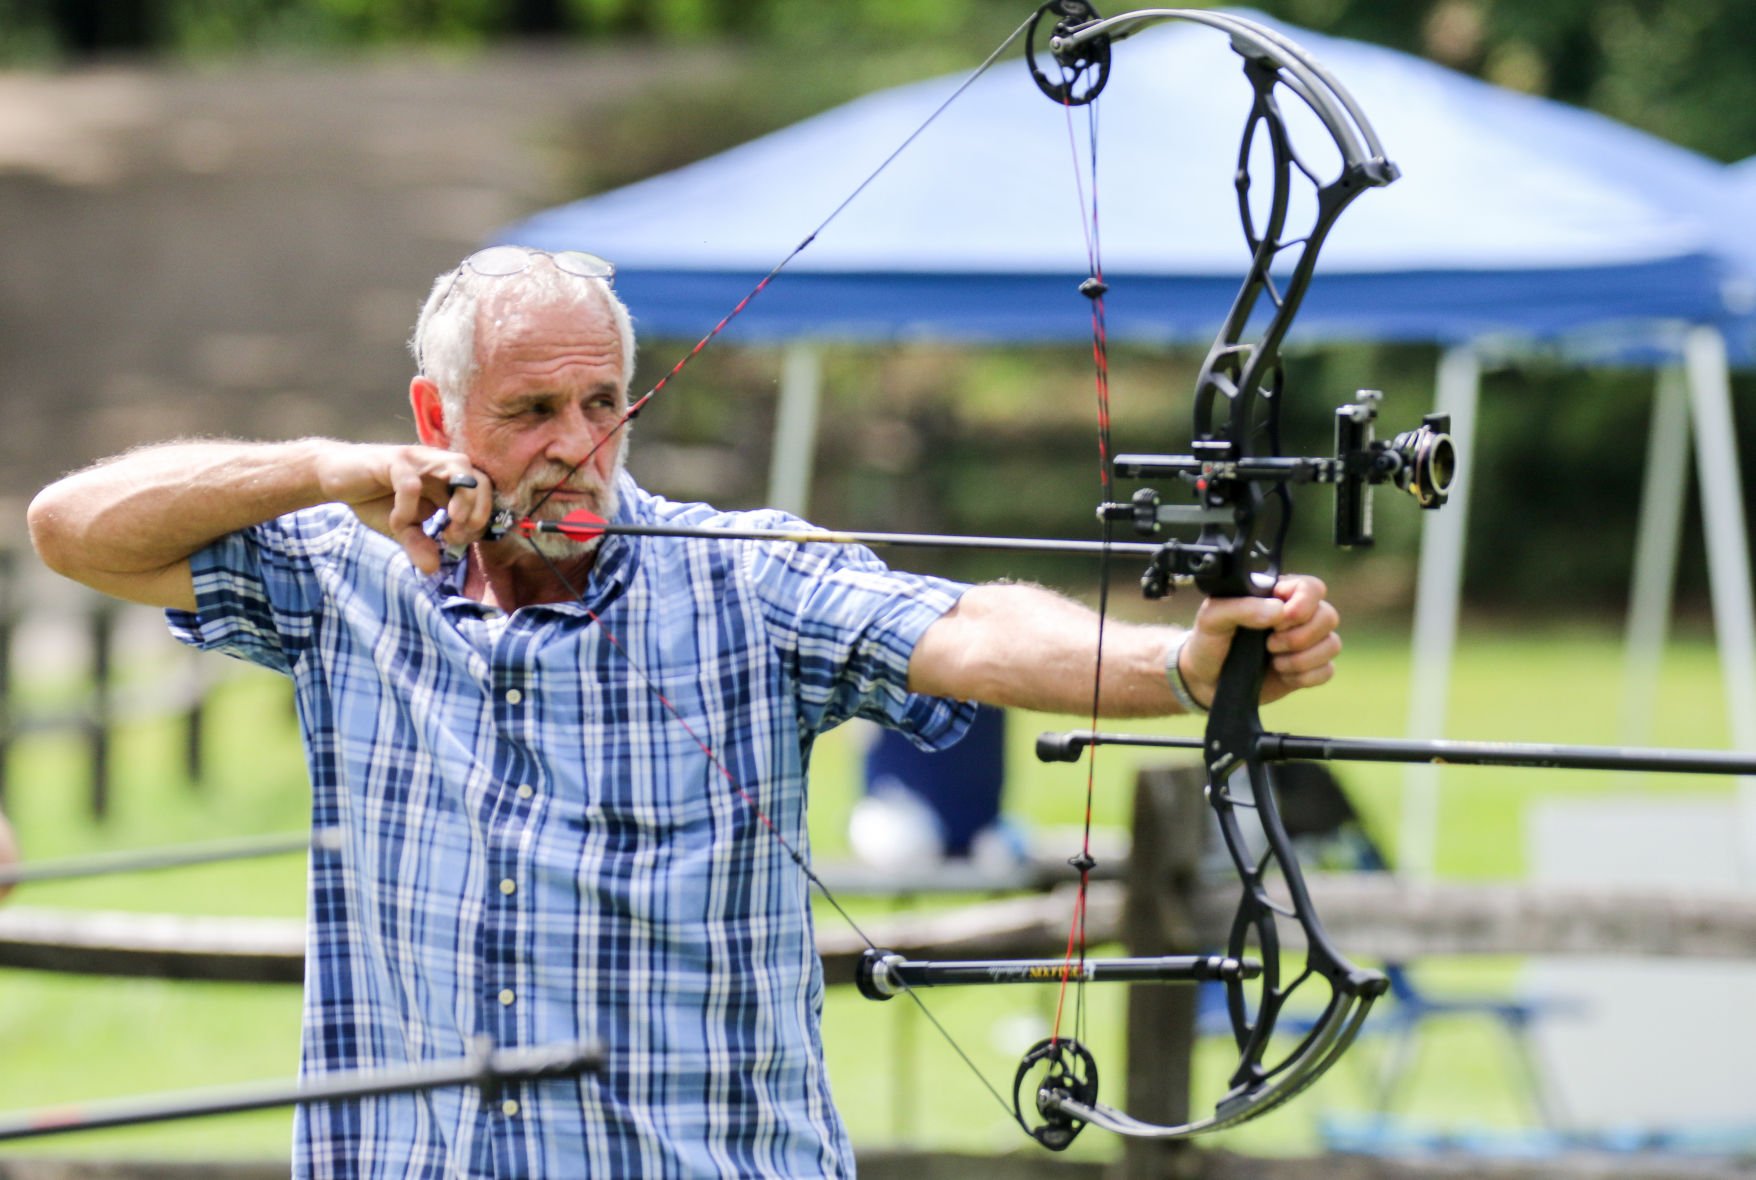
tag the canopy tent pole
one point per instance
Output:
(795, 428)
(1655, 552)
(1728, 557)
(1438, 592)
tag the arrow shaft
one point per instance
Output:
(832, 537)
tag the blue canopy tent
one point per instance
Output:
(1740, 221)
(1517, 221)
(1515, 215)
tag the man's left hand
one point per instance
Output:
(1302, 648)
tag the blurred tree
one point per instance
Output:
(539, 18)
(1681, 71)
(1678, 70)
(86, 27)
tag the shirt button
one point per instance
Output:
(525, 790)
(507, 997)
(509, 1108)
(513, 696)
(509, 887)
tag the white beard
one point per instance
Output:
(559, 546)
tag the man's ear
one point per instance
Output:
(429, 413)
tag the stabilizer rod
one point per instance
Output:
(1289, 747)
(882, 975)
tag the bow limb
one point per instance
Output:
(1239, 779)
(1240, 784)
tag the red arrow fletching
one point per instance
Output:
(580, 525)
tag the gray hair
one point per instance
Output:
(444, 341)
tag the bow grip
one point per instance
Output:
(1233, 722)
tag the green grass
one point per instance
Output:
(65, 1039)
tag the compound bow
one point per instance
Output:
(1243, 507)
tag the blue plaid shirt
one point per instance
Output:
(536, 850)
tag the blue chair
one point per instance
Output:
(960, 787)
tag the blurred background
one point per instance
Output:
(221, 217)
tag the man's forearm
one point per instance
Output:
(1026, 647)
(125, 525)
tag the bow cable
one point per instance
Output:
(1094, 289)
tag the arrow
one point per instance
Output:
(582, 525)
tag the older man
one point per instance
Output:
(565, 771)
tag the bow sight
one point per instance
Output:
(1421, 462)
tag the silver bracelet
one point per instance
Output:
(1174, 676)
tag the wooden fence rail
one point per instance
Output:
(1372, 918)
(886, 1164)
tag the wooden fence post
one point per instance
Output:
(1170, 833)
(195, 722)
(8, 624)
(101, 628)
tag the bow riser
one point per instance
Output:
(1238, 391)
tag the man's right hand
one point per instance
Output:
(396, 489)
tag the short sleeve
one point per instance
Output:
(256, 591)
(847, 625)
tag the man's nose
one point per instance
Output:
(575, 438)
